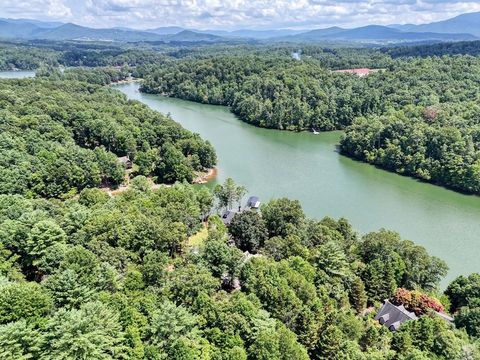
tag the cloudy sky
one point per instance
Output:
(235, 14)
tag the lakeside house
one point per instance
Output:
(393, 316)
(253, 202)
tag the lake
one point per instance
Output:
(308, 167)
(16, 74)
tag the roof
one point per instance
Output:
(253, 201)
(393, 316)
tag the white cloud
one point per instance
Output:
(37, 9)
(223, 14)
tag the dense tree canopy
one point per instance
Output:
(415, 116)
(104, 278)
(30, 55)
(86, 275)
(59, 137)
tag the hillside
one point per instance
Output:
(31, 29)
(76, 32)
(375, 33)
(166, 30)
(14, 30)
(465, 23)
(188, 35)
(27, 30)
(78, 139)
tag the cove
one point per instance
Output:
(307, 167)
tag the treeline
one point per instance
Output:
(58, 137)
(33, 55)
(14, 57)
(114, 278)
(440, 49)
(432, 131)
(433, 100)
(267, 92)
(98, 75)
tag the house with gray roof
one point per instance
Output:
(393, 316)
(253, 202)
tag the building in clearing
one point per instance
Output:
(393, 316)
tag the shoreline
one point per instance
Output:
(205, 177)
(126, 81)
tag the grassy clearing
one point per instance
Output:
(199, 238)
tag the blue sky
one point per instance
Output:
(235, 14)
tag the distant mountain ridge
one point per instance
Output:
(167, 30)
(76, 32)
(466, 23)
(26, 29)
(376, 33)
(464, 27)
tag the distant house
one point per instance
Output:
(359, 72)
(125, 160)
(253, 202)
(228, 216)
(393, 316)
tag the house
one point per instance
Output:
(125, 160)
(228, 216)
(359, 72)
(393, 316)
(253, 202)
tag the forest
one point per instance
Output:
(416, 116)
(99, 277)
(61, 136)
(154, 273)
(35, 54)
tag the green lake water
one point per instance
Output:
(307, 167)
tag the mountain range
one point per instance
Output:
(465, 23)
(376, 33)
(461, 28)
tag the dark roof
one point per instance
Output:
(253, 201)
(393, 316)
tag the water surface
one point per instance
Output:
(307, 167)
(16, 74)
